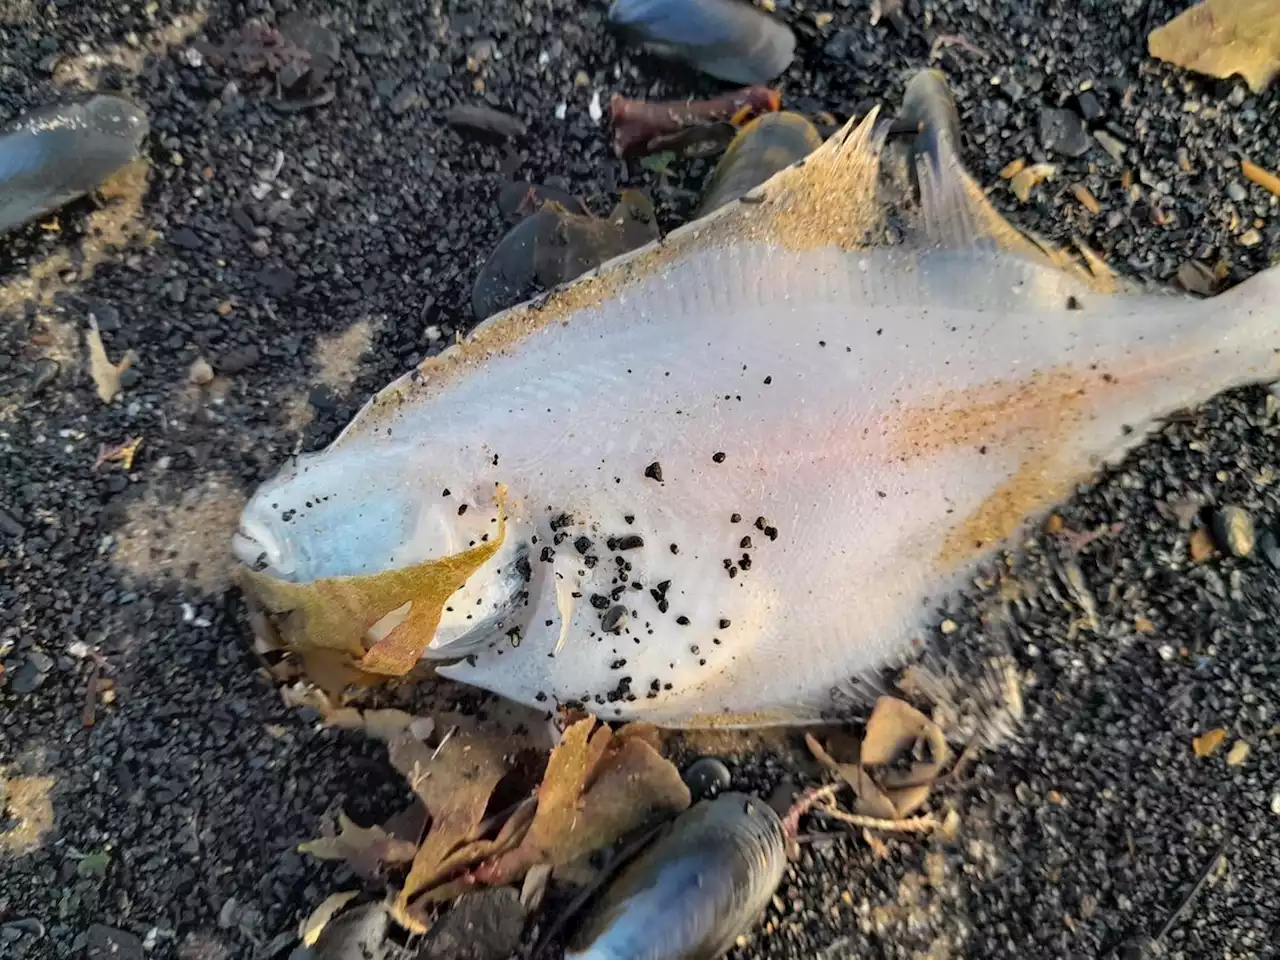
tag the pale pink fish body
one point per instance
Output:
(844, 431)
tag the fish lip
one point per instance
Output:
(258, 548)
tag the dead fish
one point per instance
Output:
(725, 479)
(695, 890)
(727, 39)
(57, 154)
(554, 246)
(762, 148)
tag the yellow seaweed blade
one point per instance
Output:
(327, 621)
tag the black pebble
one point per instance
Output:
(185, 239)
(707, 777)
(1062, 132)
(278, 281)
(654, 471)
(43, 372)
(614, 618)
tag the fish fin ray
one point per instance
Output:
(829, 197)
(955, 212)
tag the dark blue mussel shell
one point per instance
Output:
(52, 156)
(556, 245)
(727, 39)
(690, 894)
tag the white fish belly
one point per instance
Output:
(791, 400)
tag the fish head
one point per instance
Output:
(401, 532)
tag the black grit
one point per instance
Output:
(310, 256)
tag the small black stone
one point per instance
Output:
(43, 372)
(614, 619)
(186, 239)
(1062, 132)
(279, 281)
(654, 471)
(239, 359)
(706, 777)
(1089, 105)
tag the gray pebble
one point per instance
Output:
(9, 526)
(1270, 548)
(239, 359)
(405, 100)
(1062, 132)
(1233, 528)
(43, 372)
(107, 943)
(29, 677)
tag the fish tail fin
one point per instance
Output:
(928, 112)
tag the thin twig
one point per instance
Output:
(444, 740)
(805, 803)
(925, 824)
(1191, 895)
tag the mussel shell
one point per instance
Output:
(578, 244)
(520, 198)
(508, 276)
(55, 155)
(695, 890)
(554, 246)
(727, 39)
(763, 147)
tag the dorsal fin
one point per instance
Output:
(829, 197)
(954, 211)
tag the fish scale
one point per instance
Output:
(894, 412)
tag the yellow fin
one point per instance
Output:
(327, 621)
(955, 212)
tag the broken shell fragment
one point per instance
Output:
(727, 39)
(577, 244)
(643, 127)
(694, 890)
(1222, 38)
(763, 147)
(58, 154)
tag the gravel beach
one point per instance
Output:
(276, 263)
